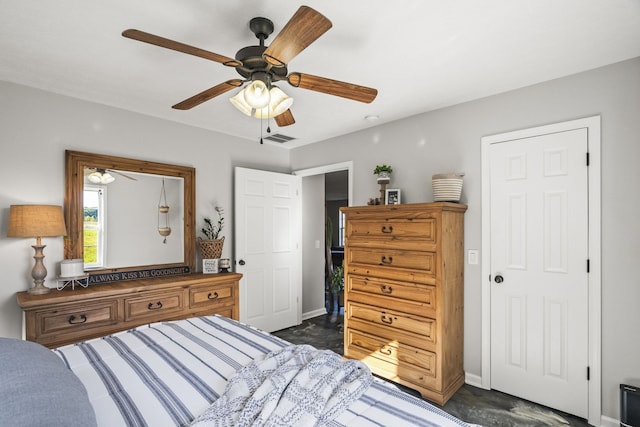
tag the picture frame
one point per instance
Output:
(210, 266)
(392, 196)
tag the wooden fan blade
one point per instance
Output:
(333, 87)
(208, 94)
(121, 174)
(180, 47)
(285, 119)
(304, 27)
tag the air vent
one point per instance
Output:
(278, 137)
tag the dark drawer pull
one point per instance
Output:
(386, 260)
(385, 289)
(156, 306)
(212, 295)
(386, 319)
(386, 351)
(73, 321)
(387, 230)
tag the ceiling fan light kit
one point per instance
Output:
(99, 177)
(261, 66)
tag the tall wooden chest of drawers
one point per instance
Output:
(404, 288)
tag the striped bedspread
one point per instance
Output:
(168, 373)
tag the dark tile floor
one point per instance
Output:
(488, 408)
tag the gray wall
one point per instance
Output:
(312, 256)
(36, 127)
(448, 140)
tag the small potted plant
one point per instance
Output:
(211, 247)
(336, 283)
(384, 173)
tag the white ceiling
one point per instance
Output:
(420, 54)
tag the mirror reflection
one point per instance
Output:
(131, 218)
(125, 215)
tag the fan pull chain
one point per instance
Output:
(261, 142)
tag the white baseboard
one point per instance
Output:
(314, 313)
(608, 422)
(474, 380)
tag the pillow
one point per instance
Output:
(37, 389)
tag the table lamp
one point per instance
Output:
(36, 221)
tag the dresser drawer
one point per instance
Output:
(392, 320)
(152, 306)
(56, 322)
(393, 229)
(391, 352)
(424, 261)
(210, 296)
(419, 296)
(396, 366)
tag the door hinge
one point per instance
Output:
(587, 158)
(588, 373)
(588, 265)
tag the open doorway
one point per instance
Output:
(315, 193)
(336, 195)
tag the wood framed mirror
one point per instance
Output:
(133, 238)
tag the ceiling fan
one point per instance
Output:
(263, 66)
(103, 176)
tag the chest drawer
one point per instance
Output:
(394, 229)
(424, 261)
(424, 296)
(153, 305)
(391, 352)
(205, 296)
(394, 360)
(67, 320)
(392, 320)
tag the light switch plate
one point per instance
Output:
(472, 256)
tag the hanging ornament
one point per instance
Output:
(163, 215)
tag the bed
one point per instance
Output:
(168, 374)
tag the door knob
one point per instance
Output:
(499, 279)
(241, 262)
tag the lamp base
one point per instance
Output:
(39, 271)
(39, 290)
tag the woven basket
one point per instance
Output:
(211, 249)
(447, 187)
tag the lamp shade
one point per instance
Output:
(257, 94)
(278, 104)
(36, 221)
(239, 102)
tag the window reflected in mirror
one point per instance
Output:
(93, 226)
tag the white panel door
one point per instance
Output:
(267, 248)
(539, 252)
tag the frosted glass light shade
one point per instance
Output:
(257, 94)
(279, 103)
(239, 102)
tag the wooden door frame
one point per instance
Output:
(592, 124)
